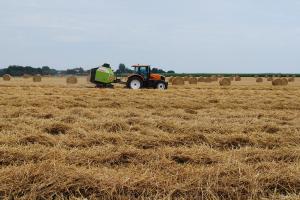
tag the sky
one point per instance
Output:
(209, 36)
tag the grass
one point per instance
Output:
(60, 141)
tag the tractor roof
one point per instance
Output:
(139, 65)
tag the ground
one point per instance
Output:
(200, 141)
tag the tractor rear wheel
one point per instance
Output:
(134, 83)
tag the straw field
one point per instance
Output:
(200, 141)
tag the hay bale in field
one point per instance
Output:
(178, 81)
(71, 80)
(193, 80)
(238, 78)
(277, 82)
(284, 81)
(270, 79)
(225, 82)
(214, 78)
(259, 80)
(185, 78)
(280, 82)
(171, 79)
(291, 79)
(201, 79)
(26, 76)
(207, 80)
(37, 78)
(6, 77)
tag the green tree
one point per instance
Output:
(122, 68)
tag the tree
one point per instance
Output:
(122, 68)
(46, 70)
(171, 72)
(158, 71)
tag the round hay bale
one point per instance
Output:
(207, 80)
(291, 79)
(280, 82)
(270, 79)
(284, 81)
(225, 82)
(201, 79)
(37, 78)
(259, 80)
(186, 78)
(178, 81)
(193, 80)
(277, 82)
(26, 76)
(6, 77)
(238, 78)
(214, 78)
(171, 79)
(72, 80)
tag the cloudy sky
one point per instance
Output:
(187, 36)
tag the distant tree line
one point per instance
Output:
(15, 70)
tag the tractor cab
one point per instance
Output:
(143, 78)
(142, 70)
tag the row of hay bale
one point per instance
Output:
(38, 78)
(276, 81)
(289, 79)
(201, 79)
(226, 81)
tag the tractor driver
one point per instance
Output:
(143, 71)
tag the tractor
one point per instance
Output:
(104, 77)
(143, 78)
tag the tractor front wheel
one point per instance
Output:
(161, 86)
(134, 83)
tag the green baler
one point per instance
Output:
(103, 76)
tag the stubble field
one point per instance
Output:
(60, 141)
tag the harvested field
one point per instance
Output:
(204, 141)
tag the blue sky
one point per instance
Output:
(187, 36)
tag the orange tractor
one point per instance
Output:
(143, 78)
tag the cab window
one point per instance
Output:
(143, 71)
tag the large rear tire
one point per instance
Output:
(135, 83)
